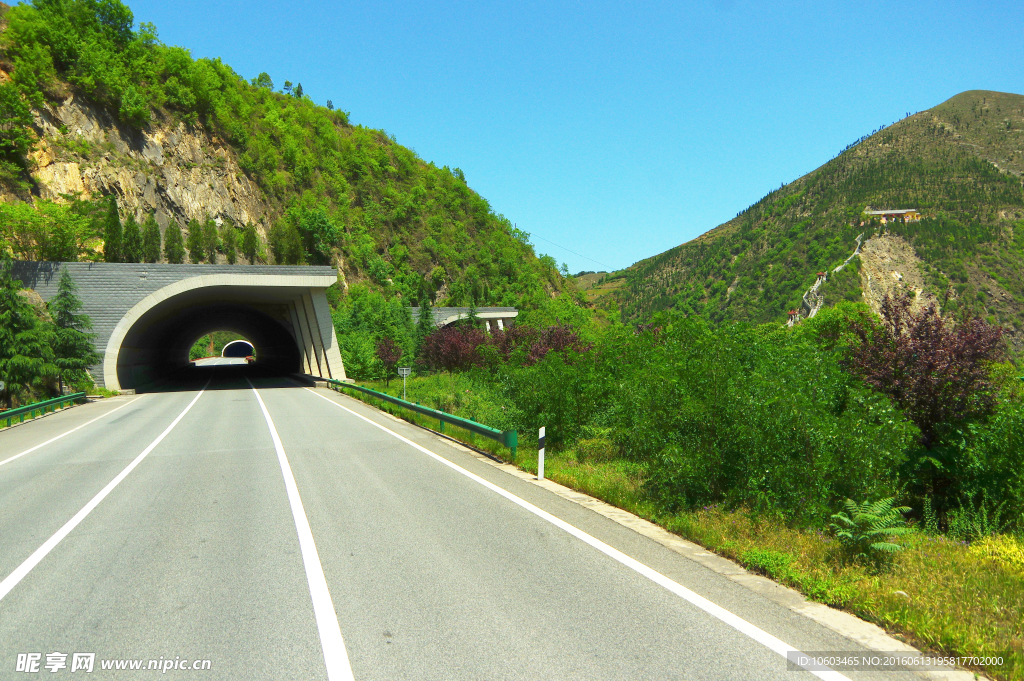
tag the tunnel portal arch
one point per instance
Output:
(124, 300)
(279, 313)
(238, 348)
(159, 343)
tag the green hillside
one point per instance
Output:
(960, 164)
(338, 192)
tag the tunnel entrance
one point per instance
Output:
(238, 348)
(158, 345)
(213, 345)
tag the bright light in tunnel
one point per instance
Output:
(216, 343)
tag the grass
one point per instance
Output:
(938, 594)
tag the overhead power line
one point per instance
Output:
(610, 268)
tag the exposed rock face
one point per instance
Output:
(175, 170)
(889, 265)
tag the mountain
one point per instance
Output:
(959, 164)
(94, 106)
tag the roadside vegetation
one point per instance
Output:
(874, 465)
(43, 346)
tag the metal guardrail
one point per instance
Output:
(41, 407)
(509, 438)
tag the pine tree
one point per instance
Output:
(112, 232)
(194, 242)
(424, 320)
(174, 247)
(25, 354)
(150, 239)
(229, 237)
(71, 341)
(131, 245)
(211, 242)
(250, 243)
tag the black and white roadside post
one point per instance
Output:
(540, 455)
(404, 372)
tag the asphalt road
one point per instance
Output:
(384, 562)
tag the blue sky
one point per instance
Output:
(615, 130)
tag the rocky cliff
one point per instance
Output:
(175, 170)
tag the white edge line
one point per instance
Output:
(335, 655)
(22, 570)
(735, 621)
(54, 439)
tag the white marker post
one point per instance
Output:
(404, 372)
(540, 456)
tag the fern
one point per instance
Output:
(865, 531)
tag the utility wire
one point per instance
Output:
(610, 268)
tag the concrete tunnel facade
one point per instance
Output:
(147, 316)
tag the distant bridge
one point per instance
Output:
(147, 316)
(492, 317)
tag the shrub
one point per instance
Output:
(865, 531)
(975, 520)
(595, 450)
(1003, 548)
(935, 371)
(452, 348)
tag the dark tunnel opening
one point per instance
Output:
(238, 348)
(156, 348)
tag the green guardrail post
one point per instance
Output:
(511, 438)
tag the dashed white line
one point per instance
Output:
(335, 655)
(54, 439)
(718, 612)
(22, 570)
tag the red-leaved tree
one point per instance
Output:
(390, 354)
(555, 339)
(935, 371)
(452, 348)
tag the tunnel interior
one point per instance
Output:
(156, 347)
(238, 348)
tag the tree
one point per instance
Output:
(287, 88)
(451, 348)
(151, 239)
(263, 81)
(131, 245)
(390, 354)
(71, 343)
(330, 105)
(194, 242)
(112, 232)
(936, 372)
(211, 241)
(174, 247)
(319, 235)
(45, 230)
(250, 243)
(15, 130)
(298, 91)
(424, 320)
(229, 237)
(286, 243)
(25, 354)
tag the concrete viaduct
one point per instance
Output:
(147, 316)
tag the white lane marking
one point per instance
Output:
(19, 573)
(335, 655)
(54, 439)
(735, 621)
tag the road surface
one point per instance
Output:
(171, 527)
